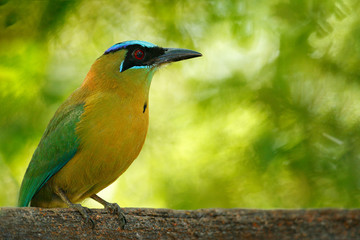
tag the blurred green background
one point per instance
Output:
(269, 117)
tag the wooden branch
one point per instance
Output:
(56, 223)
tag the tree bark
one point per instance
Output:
(62, 223)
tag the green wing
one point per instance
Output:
(57, 146)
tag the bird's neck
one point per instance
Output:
(104, 77)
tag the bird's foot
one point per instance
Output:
(83, 211)
(114, 208)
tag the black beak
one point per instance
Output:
(175, 54)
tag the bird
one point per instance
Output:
(98, 131)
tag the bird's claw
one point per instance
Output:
(83, 211)
(88, 220)
(114, 208)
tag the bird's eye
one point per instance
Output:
(139, 54)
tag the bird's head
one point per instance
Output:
(137, 60)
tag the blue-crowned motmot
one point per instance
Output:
(98, 131)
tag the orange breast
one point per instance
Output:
(112, 132)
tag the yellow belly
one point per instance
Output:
(112, 132)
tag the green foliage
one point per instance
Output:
(268, 117)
